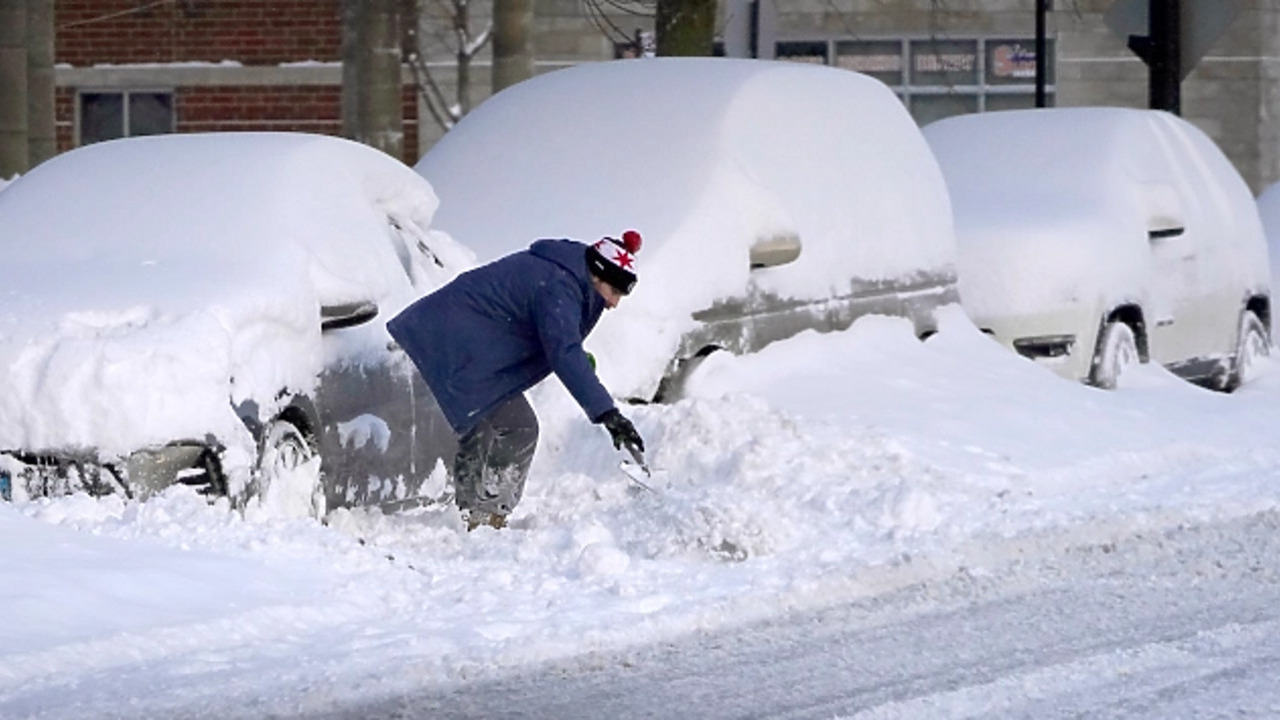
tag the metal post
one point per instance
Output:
(1042, 10)
(1165, 72)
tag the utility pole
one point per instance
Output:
(1042, 52)
(1166, 55)
(1161, 49)
(14, 153)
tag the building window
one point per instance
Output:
(881, 60)
(944, 63)
(1013, 62)
(803, 51)
(106, 115)
(938, 78)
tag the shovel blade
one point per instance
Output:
(638, 474)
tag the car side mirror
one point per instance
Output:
(774, 251)
(336, 317)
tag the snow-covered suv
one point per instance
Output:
(1091, 238)
(773, 197)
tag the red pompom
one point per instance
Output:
(631, 241)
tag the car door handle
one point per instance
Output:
(1165, 233)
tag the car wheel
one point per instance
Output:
(1117, 352)
(672, 386)
(1252, 344)
(286, 480)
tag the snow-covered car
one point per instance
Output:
(197, 309)
(772, 197)
(1094, 238)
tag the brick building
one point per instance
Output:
(126, 67)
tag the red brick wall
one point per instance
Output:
(64, 107)
(311, 109)
(252, 32)
(228, 108)
(294, 108)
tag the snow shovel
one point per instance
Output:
(637, 468)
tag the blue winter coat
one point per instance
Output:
(499, 329)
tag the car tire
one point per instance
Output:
(286, 481)
(672, 386)
(1117, 352)
(1252, 344)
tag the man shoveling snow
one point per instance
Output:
(494, 332)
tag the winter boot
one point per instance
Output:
(476, 518)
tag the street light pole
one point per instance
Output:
(1165, 75)
(1042, 59)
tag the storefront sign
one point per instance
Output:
(1012, 60)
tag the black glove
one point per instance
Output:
(621, 430)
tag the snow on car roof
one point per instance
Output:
(1116, 159)
(1054, 204)
(1045, 144)
(704, 156)
(141, 274)
(215, 205)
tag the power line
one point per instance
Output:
(114, 15)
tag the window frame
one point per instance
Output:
(984, 87)
(124, 94)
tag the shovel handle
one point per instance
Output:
(638, 457)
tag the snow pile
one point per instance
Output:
(150, 283)
(705, 157)
(825, 467)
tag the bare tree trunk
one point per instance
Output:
(42, 138)
(14, 153)
(512, 42)
(372, 112)
(464, 55)
(685, 27)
